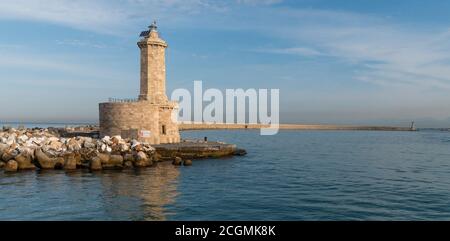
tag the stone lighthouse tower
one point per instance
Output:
(153, 66)
(152, 118)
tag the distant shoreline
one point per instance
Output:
(222, 126)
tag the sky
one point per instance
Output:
(335, 62)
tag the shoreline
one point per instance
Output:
(223, 126)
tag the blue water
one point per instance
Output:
(295, 175)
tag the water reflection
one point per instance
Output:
(145, 192)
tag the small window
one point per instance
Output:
(163, 129)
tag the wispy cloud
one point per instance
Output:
(303, 51)
(102, 16)
(81, 43)
(259, 2)
(383, 52)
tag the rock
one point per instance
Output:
(187, 162)
(73, 145)
(95, 164)
(9, 154)
(2, 164)
(157, 157)
(3, 147)
(25, 161)
(147, 148)
(240, 152)
(43, 161)
(70, 161)
(128, 158)
(88, 143)
(124, 147)
(128, 164)
(115, 161)
(135, 143)
(177, 161)
(55, 145)
(11, 140)
(141, 160)
(77, 157)
(87, 154)
(11, 166)
(53, 139)
(105, 148)
(59, 163)
(104, 158)
(116, 139)
(22, 138)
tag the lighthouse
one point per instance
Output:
(153, 66)
(152, 117)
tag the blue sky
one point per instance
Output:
(340, 61)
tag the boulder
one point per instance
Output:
(128, 164)
(115, 161)
(141, 160)
(124, 147)
(95, 164)
(116, 139)
(88, 143)
(25, 161)
(59, 163)
(187, 162)
(3, 147)
(128, 158)
(45, 162)
(73, 145)
(240, 152)
(22, 138)
(104, 157)
(11, 166)
(87, 154)
(77, 157)
(55, 145)
(70, 162)
(9, 154)
(2, 164)
(177, 161)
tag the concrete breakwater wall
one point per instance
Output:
(223, 126)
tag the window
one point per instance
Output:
(163, 129)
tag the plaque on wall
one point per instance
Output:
(145, 134)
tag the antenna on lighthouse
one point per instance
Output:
(153, 27)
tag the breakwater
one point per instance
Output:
(53, 148)
(224, 126)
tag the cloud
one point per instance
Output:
(302, 51)
(81, 43)
(102, 16)
(383, 52)
(259, 2)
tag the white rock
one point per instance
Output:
(53, 139)
(103, 148)
(11, 140)
(106, 139)
(124, 147)
(134, 143)
(22, 138)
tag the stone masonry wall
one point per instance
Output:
(129, 119)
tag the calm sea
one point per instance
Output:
(295, 175)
